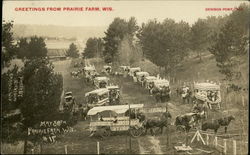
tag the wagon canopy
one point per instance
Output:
(119, 109)
(100, 91)
(206, 86)
(89, 68)
(142, 73)
(132, 70)
(103, 78)
(150, 78)
(105, 67)
(161, 82)
(112, 87)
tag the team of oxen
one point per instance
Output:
(160, 89)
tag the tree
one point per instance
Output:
(93, 47)
(166, 43)
(231, 44)
(72, 51)
(36, 48)
(8, 47)
(230, 49)
(199, 36)
(117, 30)
(43, 89)
(23, 47)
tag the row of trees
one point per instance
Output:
(167, 43)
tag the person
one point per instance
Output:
(115, 119)
(101, 118)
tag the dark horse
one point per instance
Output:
(215, 125)
(188, 120)
(163, 122)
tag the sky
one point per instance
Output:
(143, 11)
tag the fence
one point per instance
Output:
(227, 146)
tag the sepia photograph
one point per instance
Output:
(125, 77)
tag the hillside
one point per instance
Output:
(83, 33)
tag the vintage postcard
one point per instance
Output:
(125, 77)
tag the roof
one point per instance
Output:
(101, 78)
(98, 91)
(119, 109)
(206, 86)
(150, 78)
(142, 73)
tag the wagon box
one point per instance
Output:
(123, 123)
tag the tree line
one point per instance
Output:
(167, 43)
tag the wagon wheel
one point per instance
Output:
(136, 132)
(180, 128)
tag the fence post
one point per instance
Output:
(225, 146)
(234, 147)
(65, 149)
(243, 101)
(207, 140)
(98, 148)
(215, 141)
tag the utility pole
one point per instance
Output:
(130, 145)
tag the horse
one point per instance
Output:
(163, 122)
(215, 125)
(188, 120)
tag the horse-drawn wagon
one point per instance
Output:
(133, 70)
(188, 121)
(114, 94)
(149, 82)
(90, 72)
(107, 69)
(161, 90)
(209, 93)
(108, 119)
(101, 82)
(98, 97)
(141, 77)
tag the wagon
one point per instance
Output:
(98, 97)
(149, 82)
(208, 92)
(102, 118)
(90, 72)
(132, 71)
(114, 94)
(141, 77)
(101, 82)
(107, 69)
